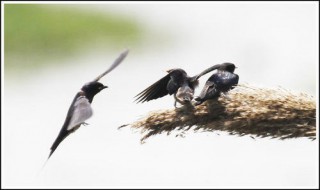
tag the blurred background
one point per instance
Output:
(51, 50)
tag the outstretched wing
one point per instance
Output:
(156, 90)
(196, 77)
(80, 110)
(114, 65)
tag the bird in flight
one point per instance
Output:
(176, 82)
(80, 109)
(220, 82)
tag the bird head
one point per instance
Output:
(230, 67)
(92, 88)
(169, 70)
(176, 70)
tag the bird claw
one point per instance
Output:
(85, 124)
(225, 95)
(175, 104)
(196, 103)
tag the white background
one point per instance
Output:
(272, 44)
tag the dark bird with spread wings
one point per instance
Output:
(220, 82)
(80, 109)
(176, 82)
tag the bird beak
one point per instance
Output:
(169, 70)
(104, 87)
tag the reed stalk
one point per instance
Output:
(246, 110)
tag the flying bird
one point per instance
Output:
(220, 82)
(80, 109)
(176, 82)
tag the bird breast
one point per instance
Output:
(184, 94)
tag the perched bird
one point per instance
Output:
(80, 109)
(220, 82)
(176, 82)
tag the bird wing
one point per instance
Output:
(172, 86)
(156, 90)
(82, 112)
(209, 90)
(79, 111)
(196, 77)
(114, 65)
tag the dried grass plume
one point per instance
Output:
(261, 112)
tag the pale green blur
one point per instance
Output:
(35, 34)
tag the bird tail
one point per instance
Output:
(62, 135)
(53, 148)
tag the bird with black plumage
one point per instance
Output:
(219, 83)
(80, 109)
(176, 83)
